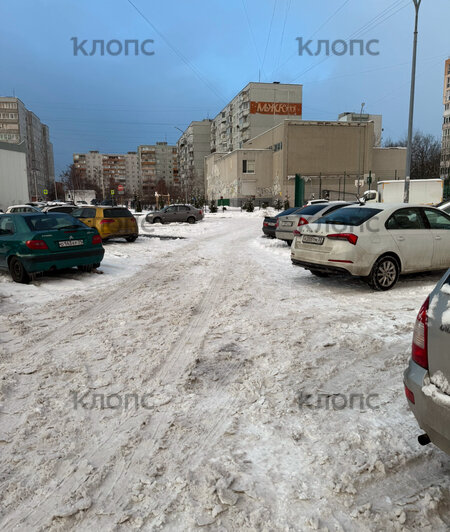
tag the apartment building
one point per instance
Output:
(158, 163)
(445, 154)
(193, 146)
(257, 108)
(108, 170)
(17, 125)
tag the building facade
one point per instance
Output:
(257, 108)
(445, 153)
(13, 175)
(17, 125)
(158, 165)
(362, 117)
(334, 159)
(193, 146)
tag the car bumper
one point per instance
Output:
(285, 235)
(269, 231)
(432, 417)
(325, 268)
(60, 261)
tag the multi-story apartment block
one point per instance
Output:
(257, 108)
(107, 170)
(445, 154)
(17, 125)
(158, 162)
(193, 146)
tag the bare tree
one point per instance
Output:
(426, 155)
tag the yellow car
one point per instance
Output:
(110, 222)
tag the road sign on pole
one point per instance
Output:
(45, 191)
(112, 192)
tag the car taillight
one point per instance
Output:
(107, 221)
(96, 239)
(201, 213)
(350, 237)
(133, 219)
(420, 337)
(302, 221)
(277, 224)
(265, 224)
(36, 244)
(409, 395)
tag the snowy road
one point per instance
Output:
(199, 350)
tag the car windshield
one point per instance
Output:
(117, 213)
(349, 216)
(47, 222)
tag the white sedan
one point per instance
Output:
(377, 241)
(21, 208)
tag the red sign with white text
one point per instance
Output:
(275, 108)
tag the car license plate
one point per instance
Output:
(70, 243)
(309, 239)
(288, 224)
(271, 224)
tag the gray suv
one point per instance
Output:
(175, 213)
(427, 379)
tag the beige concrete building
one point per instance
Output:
(257, 108)
(18, 124)
(362, 117)
(445, 154)
(193, 146)
(334, 159)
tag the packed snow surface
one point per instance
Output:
(202, 382)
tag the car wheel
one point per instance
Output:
(157, 221)
(384, 274)
(18, 272)
(318, 273)
(191, 220)
(131, 238)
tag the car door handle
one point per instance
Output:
(400, 238)
(438, 238)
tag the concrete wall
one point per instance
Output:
(13, 175)
(225, 176)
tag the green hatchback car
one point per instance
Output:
(41, 242)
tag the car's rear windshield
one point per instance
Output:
(288, 211)
(117, 213)
(313, 209)
(349, 216)
(47, 222)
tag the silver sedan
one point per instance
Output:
(427, 379)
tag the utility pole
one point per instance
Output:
(411, 104)
(359, 155)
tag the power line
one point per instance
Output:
(288, 7)
(178, 53)
(268, 36)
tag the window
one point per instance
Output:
(437, 220)
(248, 167)
(405, 219)
(170, 209)
(183, 208)
(353, 216)
(47, 222)
(117, 213)
(7, 226)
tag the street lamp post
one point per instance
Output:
(411, 105)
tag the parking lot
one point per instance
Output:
(205, 381)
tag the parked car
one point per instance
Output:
(427, 377)
(175, 213)
(375, 241)
(110, 222)
(68, 209)
(444, 206)
(289, 225)
(39, 242)
(22, 208)
(269, 222)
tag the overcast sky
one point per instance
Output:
(205, 52)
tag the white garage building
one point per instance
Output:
(13, 175)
